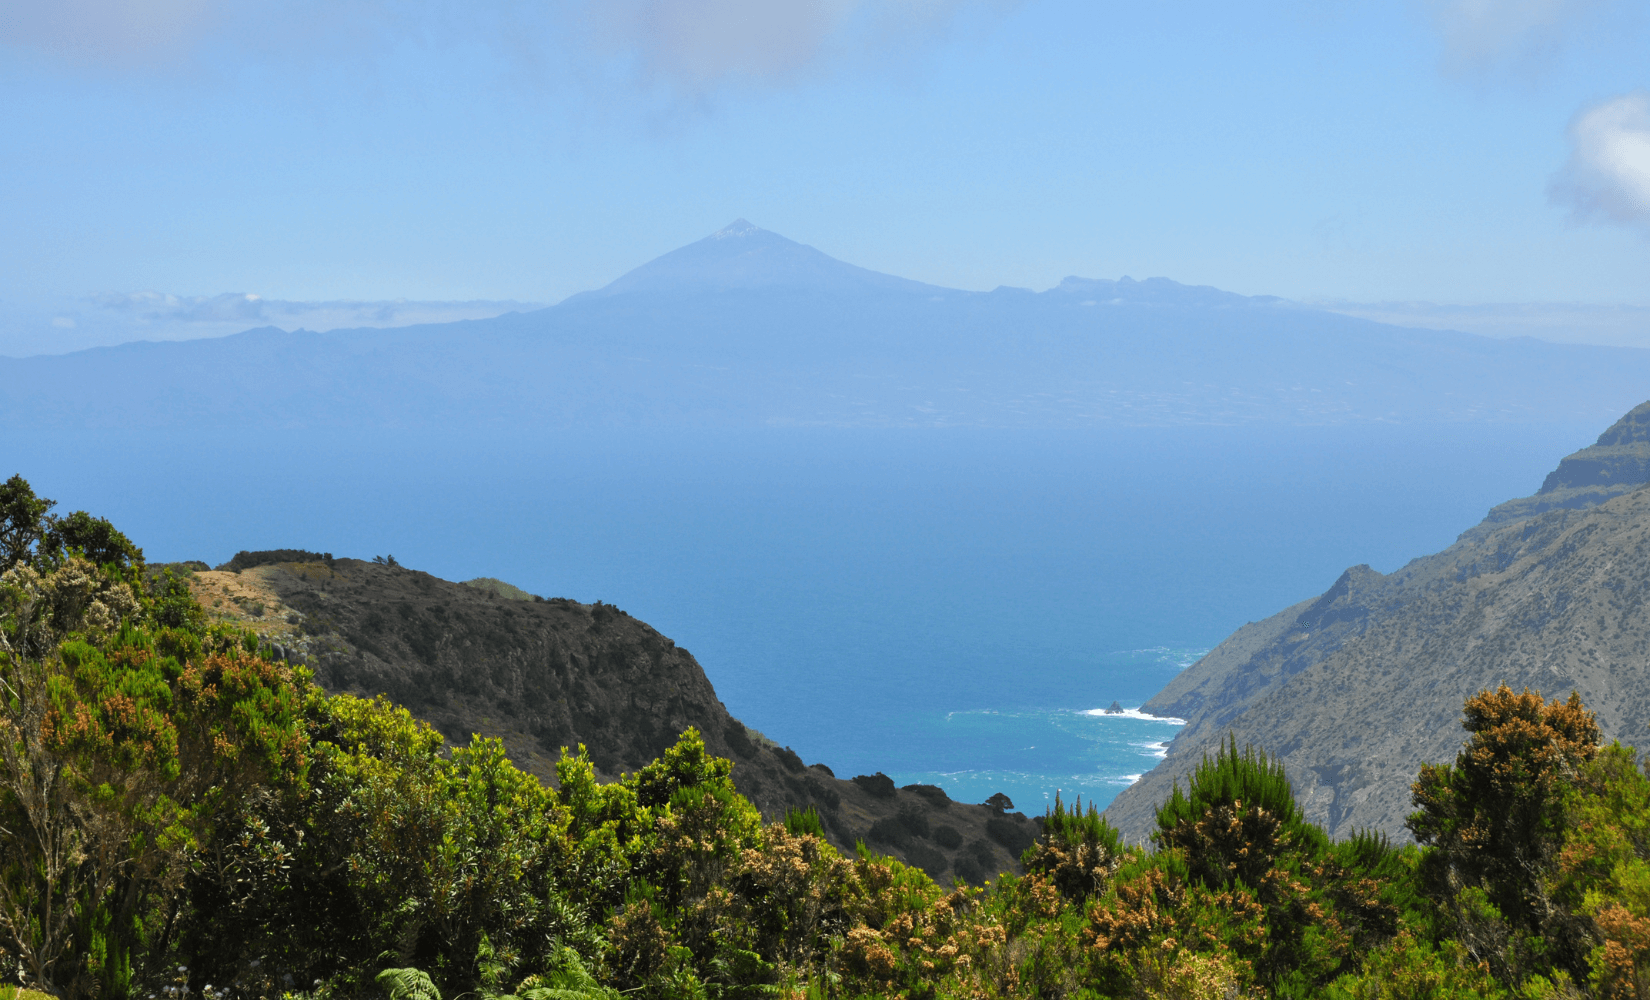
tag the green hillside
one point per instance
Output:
(499, 588)
(184, 812)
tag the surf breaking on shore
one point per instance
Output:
(1133, 713)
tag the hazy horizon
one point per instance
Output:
(1457, 152)
(67, 324)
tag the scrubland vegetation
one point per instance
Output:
(180, 815)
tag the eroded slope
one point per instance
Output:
(1359, 687)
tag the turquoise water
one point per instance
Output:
(942, 606)
(1030, 754)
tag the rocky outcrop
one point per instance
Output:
(1620, 457)
(1358, 688)
(1618, 462)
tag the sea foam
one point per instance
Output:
(1135, 713)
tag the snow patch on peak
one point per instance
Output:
(738, 227)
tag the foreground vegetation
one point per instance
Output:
(180, 815)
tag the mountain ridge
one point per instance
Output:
(1355, 689)
(755, 330)
(543, 675)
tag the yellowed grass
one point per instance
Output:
(237, 597)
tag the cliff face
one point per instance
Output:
(1619, 461)
(1621, 457)
(1358, 688)
(543, 675)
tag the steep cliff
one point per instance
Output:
(1358, 688)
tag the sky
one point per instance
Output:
(1389, 156)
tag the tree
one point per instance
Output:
(24, 519)
(40, 610)
(1495, 817)
(121, 750)
(93, 537)
(400, 852)
(1603, 876)
(1494, 822)
(1290, 907)
(116, 764)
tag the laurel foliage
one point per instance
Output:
(178, 811)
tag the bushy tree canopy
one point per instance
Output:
(176, 811)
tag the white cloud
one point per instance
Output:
(239, 310)
(1485, 32)
(58, 325)
(1608, 175)
(1620, 325)
(696, 42)
(690, 45)
(102, 29)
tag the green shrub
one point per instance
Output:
(1235, 817)
(1409, 969)
(407, 984)
(1495, 818)
(1076, 850)
(804, 821)
(498, 588)
(268, 557)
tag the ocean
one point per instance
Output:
(945, 606)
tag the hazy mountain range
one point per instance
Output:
(747, 328)
(61, 324)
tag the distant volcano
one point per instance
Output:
(743, 256)
(746, 328)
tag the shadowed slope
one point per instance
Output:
(548, 674)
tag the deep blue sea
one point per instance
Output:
(946, 606)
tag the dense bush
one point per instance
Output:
(877, 785)
(1496, 822)
(267, 557)
(176, 810)
(1077, 851)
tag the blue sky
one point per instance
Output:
(1459, 151)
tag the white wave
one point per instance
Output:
(1158, 750)
(1125, 779)
(1135, 713)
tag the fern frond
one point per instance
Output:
(408, 984)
